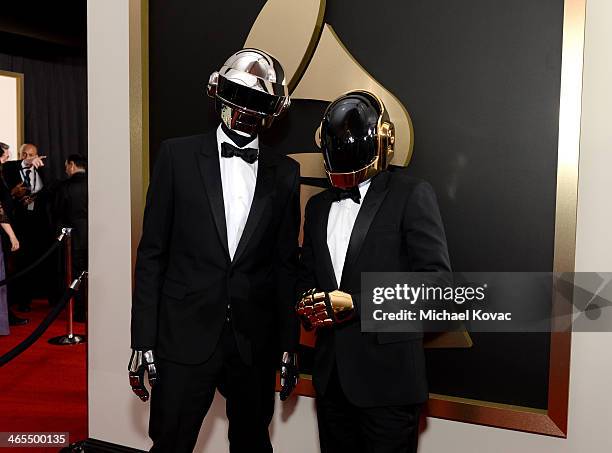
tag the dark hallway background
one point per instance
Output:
(46, 41)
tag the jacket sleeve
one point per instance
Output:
(287, 267)
(306, 276)
(152, 254)
(424, 238)
(424, 232)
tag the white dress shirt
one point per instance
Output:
(238, 180)
(35, 180)
(342, 216)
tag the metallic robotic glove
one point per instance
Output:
(321, 309)
(289, 374)
(141, 362)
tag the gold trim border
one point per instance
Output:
(139, 113)
(553, 421)
(20, 106)
(473, 402)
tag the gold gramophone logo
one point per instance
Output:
(319, 67)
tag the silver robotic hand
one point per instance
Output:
(289, 374)
(141, 362)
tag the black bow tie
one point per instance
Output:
(249, 155)
(342, 194)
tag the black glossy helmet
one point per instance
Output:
(249, 90)
(356, 138)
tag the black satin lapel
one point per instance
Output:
(322, 238)
(371, 203)
(263, 188)
(208, 162)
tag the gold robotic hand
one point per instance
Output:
(304, 308)
(320, 309)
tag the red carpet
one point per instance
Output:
(45, 388)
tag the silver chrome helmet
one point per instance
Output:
(249, 90)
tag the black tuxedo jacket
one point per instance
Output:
(184, 278)
(19, 214)
(11, 171)
(398, 229)
(8, 204)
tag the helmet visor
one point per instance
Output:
(248, 99)
(349, 138)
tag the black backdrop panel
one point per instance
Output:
(55, 97)
(188, 40)
(481, 81)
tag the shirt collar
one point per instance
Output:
(363, 187)
(222, 137)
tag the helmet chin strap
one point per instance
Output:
(236, 121)
(239, 138)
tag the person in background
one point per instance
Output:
(25, 181)
(70, 210)
(6, 317)
(24, 177)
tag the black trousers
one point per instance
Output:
(184, 393)
(344, 427)
(32, 230)
(28, 230)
